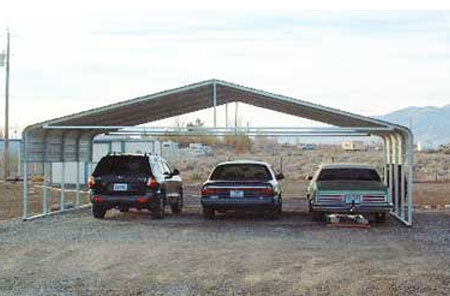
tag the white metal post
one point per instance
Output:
(395, 154)
(45, 190)
(63, 174)
(77, 186)
(25, 189)
(226, 115)
(236, 115)
(63, 184)
(410, 176)
(402, 175)
(384, 160)
(215, 103)
(389, 166)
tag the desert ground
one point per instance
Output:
(235, 254)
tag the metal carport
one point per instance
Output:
(70, 138)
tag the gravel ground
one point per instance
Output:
(236, 254)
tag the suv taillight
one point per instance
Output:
(152, 183)
(91, 182)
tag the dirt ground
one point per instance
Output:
(236, 254)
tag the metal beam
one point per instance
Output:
(215, 103)
(25, 177)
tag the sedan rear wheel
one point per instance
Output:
(208, 213)
(380, 218)
(176, 208)
(317, 216)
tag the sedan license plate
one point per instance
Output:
(120, 187)
(236, 193)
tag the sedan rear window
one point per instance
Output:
(244, 172)
(136, 165)
(348, 174)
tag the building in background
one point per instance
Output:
(15, 146)
(353, 146)
(106, 145)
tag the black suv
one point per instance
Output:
(125, 181)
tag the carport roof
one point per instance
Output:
(199, 96)
(171, 103)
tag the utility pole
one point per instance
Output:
(6, 173)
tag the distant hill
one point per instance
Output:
(430, 125)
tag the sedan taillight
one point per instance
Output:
(331, 197)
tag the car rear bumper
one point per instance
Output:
(265, 203)
(384, 208)
(126, 201)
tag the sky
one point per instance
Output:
(67, 59)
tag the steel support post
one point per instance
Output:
(389, 166)
(215, 103)
(395, 155)
(226, 115)
(63, 175)
(385, 172)
(410, 175)
(25, 178)
(45, 189)
(402, 175)
(77, 184)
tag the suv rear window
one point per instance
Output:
(124, 164)
(348, 174)
(245, 172)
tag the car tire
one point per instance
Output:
(158, 212)
(275, 213)
(176, 208)
(98, 212)
(317, 216)
(380, 218)
(208, 213)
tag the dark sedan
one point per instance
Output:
(242, 185)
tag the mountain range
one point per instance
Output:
(430, 125)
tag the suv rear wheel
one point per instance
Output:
(158, 212)
(98, 212)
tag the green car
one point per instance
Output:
(348, 189)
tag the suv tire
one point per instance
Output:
(158, 212)
(208, 213)
(98, 212)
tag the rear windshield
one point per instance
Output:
(348, 174)
(241, 172)
(136, 165)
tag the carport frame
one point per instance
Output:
(398, 140)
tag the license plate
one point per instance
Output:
(120, 187)
(236, 193)
(352, 197)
